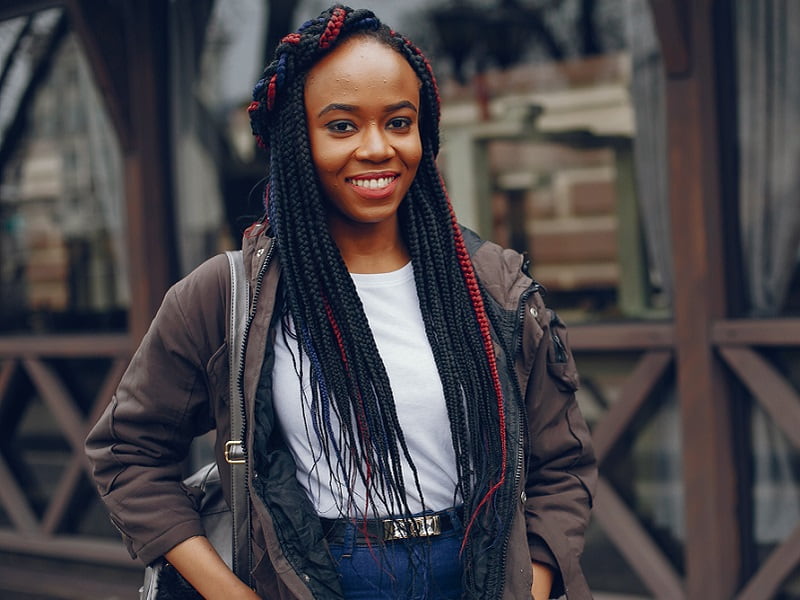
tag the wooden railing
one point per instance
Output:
(45, 525)
(737, 344)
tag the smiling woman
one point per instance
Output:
(411, 426)
(361, 104)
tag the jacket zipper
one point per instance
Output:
(240, 375)
(523, 421)
(254, 302)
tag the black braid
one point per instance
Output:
(332, 329)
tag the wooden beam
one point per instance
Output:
(148, 163)
(635, 391)
(713, 546)
(757, 332)
(609, 337)
(78, 548)
(59, 401)
(72, 346)
(780, 564)
(7, 370)
(29, 582)
(775, 395)
(633, 542)
(101, 30)
(15, 502)
(671, 21)
(77, 468)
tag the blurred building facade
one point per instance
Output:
(638, 150)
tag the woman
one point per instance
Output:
(396, 365)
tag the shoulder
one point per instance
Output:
(501, 271)
(210, 277)
(198, 304)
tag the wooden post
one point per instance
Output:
(127, 46)
(147, 162)
(696, 210)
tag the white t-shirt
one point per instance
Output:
(392, 309)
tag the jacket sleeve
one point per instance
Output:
(162, 402)
(562, 470)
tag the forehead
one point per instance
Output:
(359, 70)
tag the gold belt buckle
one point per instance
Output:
(400, 529)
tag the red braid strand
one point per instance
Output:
(360, 415)
(332, 29)
(483, 322)
(252, 108)
(271, 89)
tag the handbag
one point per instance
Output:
(227, 528)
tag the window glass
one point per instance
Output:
(61, 187)
(768, 108)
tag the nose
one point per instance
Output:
(375, 145)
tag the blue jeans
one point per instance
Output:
(426, 568)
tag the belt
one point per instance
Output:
(392, 529)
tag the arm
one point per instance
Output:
(542, 581)
(198, 562)
(162, 403)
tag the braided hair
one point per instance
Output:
(348, 377)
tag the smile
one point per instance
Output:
(377, 183)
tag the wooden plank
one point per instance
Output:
(59, 505)
(611, 337)
(636, 546)
(33, 583)
(15, 502)
(85, 345)
(59, 401)
(580, 246)
(637, 387)
(7, 371)
(81, 548)
(780, 564)
(773, 392)
(757, 332)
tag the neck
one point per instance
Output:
(370, 248)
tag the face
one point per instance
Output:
(362, 110)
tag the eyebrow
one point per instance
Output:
(352, 108)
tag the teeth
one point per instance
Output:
(373, 184)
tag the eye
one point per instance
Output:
(341, 127)
(399, 123)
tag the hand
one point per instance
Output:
(198, 562)
(542, 581)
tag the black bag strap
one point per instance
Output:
(234, 448)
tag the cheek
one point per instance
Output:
(329, 159)
(414, 151)
(414, 156)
